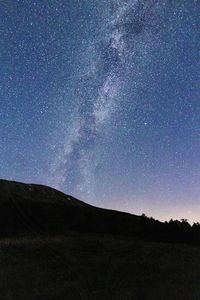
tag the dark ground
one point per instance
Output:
(87, 266)
(55, 247)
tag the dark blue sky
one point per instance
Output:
(101, 99)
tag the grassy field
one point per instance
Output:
(106, 264)
(88, 266)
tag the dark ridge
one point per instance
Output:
(32, 210)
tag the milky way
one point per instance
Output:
(124, 37)
(100, 99)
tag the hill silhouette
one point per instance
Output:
(30, 209)
(55, 247)
(37, 209)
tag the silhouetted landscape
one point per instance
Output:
(54, 246)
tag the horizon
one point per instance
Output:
(161, 219)
(101, 100)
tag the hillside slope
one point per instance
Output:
(55, 247)
(36, 209)
(33, 210)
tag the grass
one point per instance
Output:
(89, 266)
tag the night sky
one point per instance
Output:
(101, 99)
